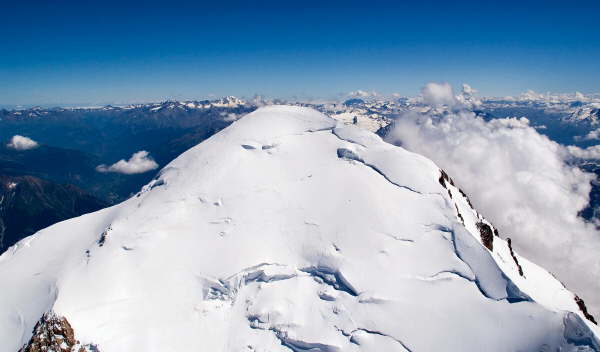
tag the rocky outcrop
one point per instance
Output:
(54, 333)
(514, 257)
(487, 235)
(584, 311)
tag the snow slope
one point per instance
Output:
(284, 232)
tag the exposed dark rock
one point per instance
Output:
(512, 254)
(465, 196)
(583, 308)
(443, 178)
(462, 220)
(54, 333)
(103, 237)
(487, 236)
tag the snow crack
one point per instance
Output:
(347, 154)
(398, 238)
(312, 130)
(226, 289)
(340, 137)
(513, 293)
(334, 278)
(296, 345)
(448, 274)
(374, 332)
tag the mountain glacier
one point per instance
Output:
(286, 231)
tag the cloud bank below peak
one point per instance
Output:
(520, 180)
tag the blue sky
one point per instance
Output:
(70, 52)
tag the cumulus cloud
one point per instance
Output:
(592, 135)
(139, 162)
(467, 97)
(442, 94)
(229, 116)
(521, 181)
(589, 153)
(438, 94)
(19, 142)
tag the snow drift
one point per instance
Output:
(287, 232)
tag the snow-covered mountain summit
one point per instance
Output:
(589, 113)
(286, 231)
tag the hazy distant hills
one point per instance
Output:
(58, 178)
(113, 132)
(28, 204)
(59, 164)
(75, 141)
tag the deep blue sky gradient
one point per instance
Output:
(79, 52)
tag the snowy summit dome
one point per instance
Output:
(286, 232)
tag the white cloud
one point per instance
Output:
(139, 162)
(592, 152)
(594, 134)
(438, 94)
(19, 142)
(229, 116)
(530, 95)
(467, 97)
(522, 182)
(467, 89)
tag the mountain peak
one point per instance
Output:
(289, 231)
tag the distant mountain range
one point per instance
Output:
(58, 179)
(74, 141)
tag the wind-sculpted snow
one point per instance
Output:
(286, 232)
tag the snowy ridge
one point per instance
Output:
(187, 105)
(535, 282)
(287, 231)
(589, 113)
